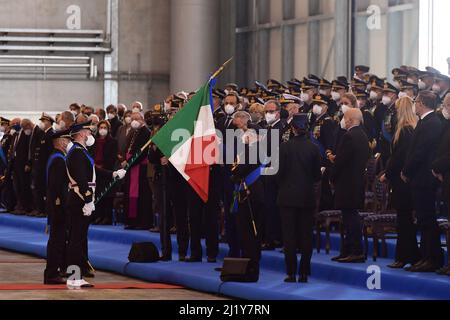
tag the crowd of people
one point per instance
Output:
(327, 133)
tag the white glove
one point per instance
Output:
(119, 173)
(88, 209)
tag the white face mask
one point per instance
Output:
(323, 92)
(343, 126)
(2, 129)
(75, 114)
(41, 125)
(422, 85)
(345, 108)
(111, 116)
(361, 104)
(136, 110)
(436, 88)
(317, 110)
(271, 118)
(103, 132)
(386, 100)
(402, 95)
(90, 141)
(135, 124)
(127, 120)
(373, 95)
(229, 109)
(410, 80)
(445, 113)
(69, 146)
(336, 96)
(27, 132)
(304, 97)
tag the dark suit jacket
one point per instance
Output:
(418, 166)
(299, 170)
(441, 164)
(115, 125)
(401, 192)
(42, 152)
(348, 171)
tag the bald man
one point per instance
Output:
(347, 176)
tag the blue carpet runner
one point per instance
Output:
(109, 247)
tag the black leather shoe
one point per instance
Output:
(339, 257)
(54, 281)
(397, 265)
(443, 271)
(267, 247)
(182, 258)
(425, 267)
(165, 258)
(211, 260)
(193, 259)
(290, 279)
(303, 278)
(415, 266)
(218, 269)
(353, 259)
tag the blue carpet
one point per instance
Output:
(109, 247)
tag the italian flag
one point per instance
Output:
(189, 141)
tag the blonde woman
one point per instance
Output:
(407, 251)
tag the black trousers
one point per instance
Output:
(407, 249)
(297, 227)
(271, 221)
(424, 202)
(78, 225)
(353, 232)
(22, 182)
(250, 242)
(38, 190)
(208, 213)
(56, 246)
(104, 209)
(176, 204)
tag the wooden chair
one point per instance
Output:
(381, 224)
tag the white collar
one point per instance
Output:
(273, 124)
(426, 114)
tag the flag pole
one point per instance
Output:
(219, 71)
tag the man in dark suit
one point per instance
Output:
(418, 172)
(441, 165)
(113, 119)
(22, 167)
(300, 162)
(347, 176)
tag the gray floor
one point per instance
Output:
(22, 269)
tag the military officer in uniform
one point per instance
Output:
(389, 123)
(41, 154)
(299, 171)
(56, 186)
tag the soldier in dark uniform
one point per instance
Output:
(370, 126)
(81, 197)
(8, 144)
(309, 90)
(339, 88)
(323, 132)
(326, 89)
(57, 184)
(299, 171)
(441, 86)
(389, 123)
(41, 154)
